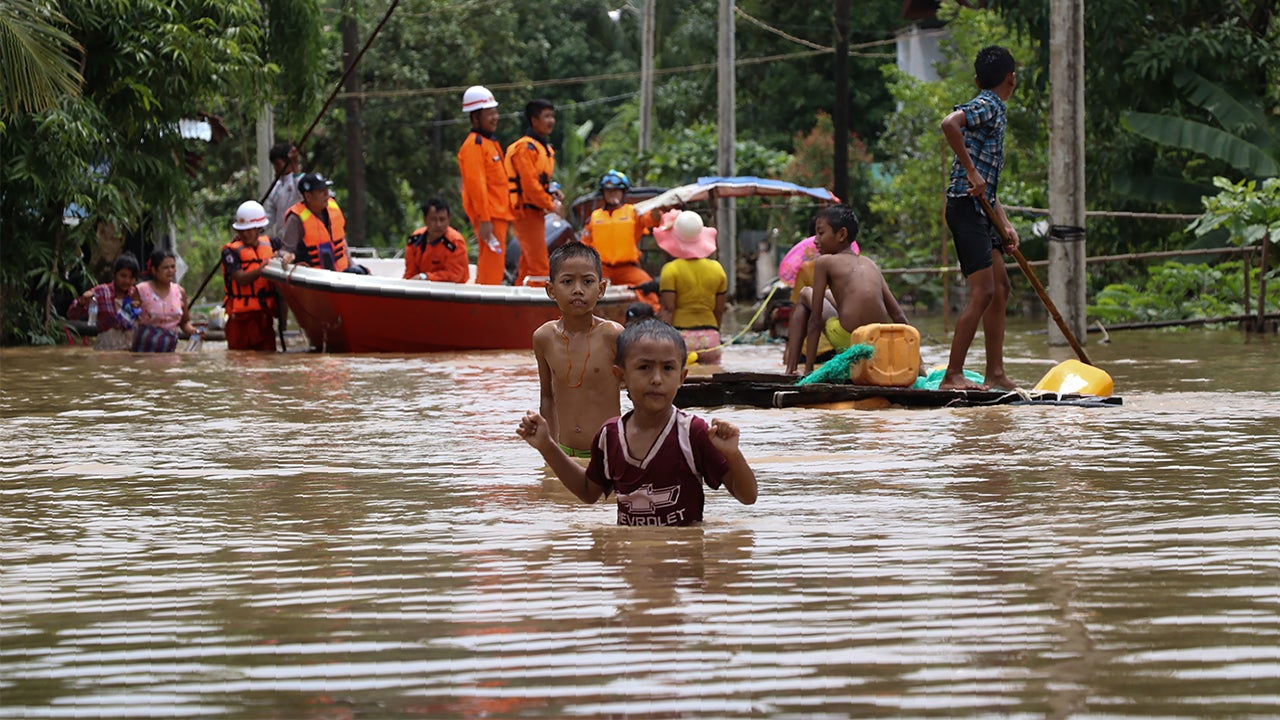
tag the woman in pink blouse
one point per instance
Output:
(163, 304)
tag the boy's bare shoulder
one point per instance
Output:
(611, 329)
(837, 262)
(544, 332)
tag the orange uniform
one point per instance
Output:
(615, 234)
(442, 260)
(250, 306)
(485, 199)
(530, 163)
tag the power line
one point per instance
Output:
(776, 31)
(810, 44)
(520, 114)
(629, 75)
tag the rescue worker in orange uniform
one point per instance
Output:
(484, 184)
(531, 161)
(315, 231)
(436, 251)
(615, 231)
(250, 300)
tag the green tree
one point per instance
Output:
(906, 226)
(36, 54)
(1247, 137)
(812, 164)
(1133, 50)
(113, 154)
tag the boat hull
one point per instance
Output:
(349, 313)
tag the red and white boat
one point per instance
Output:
(345, 312)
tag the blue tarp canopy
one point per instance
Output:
(744, 186)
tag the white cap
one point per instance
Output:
(250, 215)
(477, 97)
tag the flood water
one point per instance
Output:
(310, 536)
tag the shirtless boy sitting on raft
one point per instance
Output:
(576, 353)
(855, 292)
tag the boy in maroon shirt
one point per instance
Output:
(656, 457)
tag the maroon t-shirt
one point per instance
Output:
(665, 486)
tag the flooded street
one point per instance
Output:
(314, 536)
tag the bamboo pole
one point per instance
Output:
(1035, 283)
(306, 135)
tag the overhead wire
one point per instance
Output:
(582, 79)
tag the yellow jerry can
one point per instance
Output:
(1073, 376)
(896, 362)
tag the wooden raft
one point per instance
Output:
(770, 390)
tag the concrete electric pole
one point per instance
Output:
(726, 220)
(1067, 277)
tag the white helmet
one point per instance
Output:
(477, 97)
(250, 215)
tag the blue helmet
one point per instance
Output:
(614, 180)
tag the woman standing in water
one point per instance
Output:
(163, 304)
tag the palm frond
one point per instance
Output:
(36, 56)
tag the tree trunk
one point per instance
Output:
(840, 112)
(355, 205)
(54, 272)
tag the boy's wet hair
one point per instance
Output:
(992, 65)
(126, 261)
(653, 329)
(574, 249)
(841, 216)
(638, 311)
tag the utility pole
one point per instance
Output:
(266, 131)
(840, 113)
(1066, 167)
(646, 75)
(726, 208)
(355, 204)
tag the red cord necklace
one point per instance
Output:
(568, 371)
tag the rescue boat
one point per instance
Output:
(349, 313)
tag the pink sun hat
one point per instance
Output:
(683, 235)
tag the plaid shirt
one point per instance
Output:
(985, 121)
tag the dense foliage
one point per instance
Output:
(112, 155)
(909, 229)
(102, 149)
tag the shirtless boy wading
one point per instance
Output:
(855, 292)
(576, 353)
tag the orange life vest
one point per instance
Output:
(324, 248)
(257, 296)
(530, 163)
(616, 235)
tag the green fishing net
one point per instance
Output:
(934, 378)
(836, 370)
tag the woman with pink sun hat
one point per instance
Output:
(693, 288)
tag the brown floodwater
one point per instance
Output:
(315, 536)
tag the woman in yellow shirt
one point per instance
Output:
(693, 288)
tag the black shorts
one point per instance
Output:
(974, 236)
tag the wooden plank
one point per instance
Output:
(763, 390)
